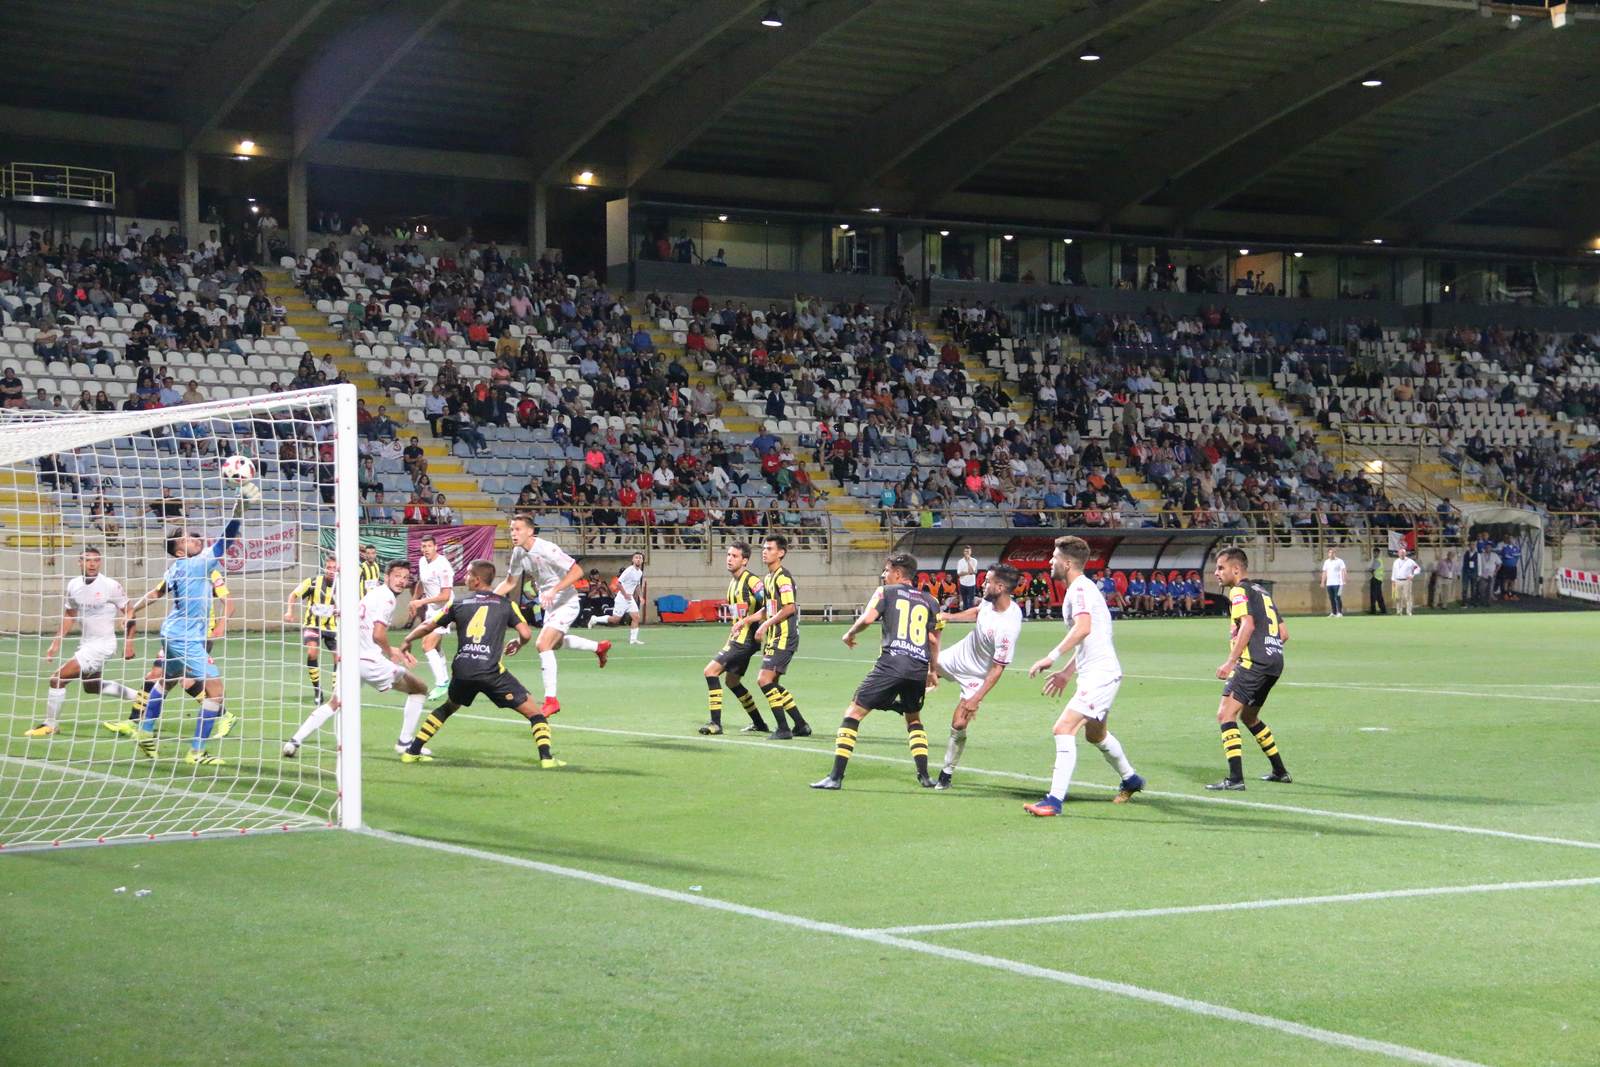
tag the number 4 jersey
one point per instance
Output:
(1264, 653)
(481, 622)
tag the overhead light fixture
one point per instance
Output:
(722, 218)
(1376, 241)
(875, 210)
(1090, 55)
(585, 176)
(946, 233)
(1066, 240)
(242, 159)
(1008, 237)
(1299, 255)
(773, 19)
(255, 209)
(250, 199)
(247, 145)
(844, 225)
(1244, 251)
(1371, 81)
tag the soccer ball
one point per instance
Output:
(238, 469)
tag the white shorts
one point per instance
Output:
(381, 674)
(623, 604)
(563, 615)
(969, 683)
(433, 611)
(92, 655)
(1092, 699)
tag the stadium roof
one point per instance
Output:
(1198, 115)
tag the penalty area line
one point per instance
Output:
(1206, 1009)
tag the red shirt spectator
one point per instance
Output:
(696, 341)
(626, 496)
(526, 410)
(770, 464)
(647, 482)
(700, 305)
(594, 459)
(478, 333)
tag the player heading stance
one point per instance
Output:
(908, 664)
(556, 574)
(481, 621)
(1099, 676)
(381, 666)
(319, 621)
(625, 606)
(976, 662)
(1253, 667)
(93, 602)
(779, 634)
(436, 580)
(745, 596)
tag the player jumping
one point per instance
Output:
(745, 596)
(630, 594)
(319, 621)
(93, 602)
(1099, 676)
(556, 575)
(436, 579)
(976, 662)
(1253, 667)
(481, 621)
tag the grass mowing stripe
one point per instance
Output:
(1382, 820)
(1331, 1038)
(1241, 905)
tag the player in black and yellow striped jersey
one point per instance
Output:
(1253, 667)
(371, 569)
(779, 634)
(319, 618)
(746, 594)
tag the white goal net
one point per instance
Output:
(173, 725)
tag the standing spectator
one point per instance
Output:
(1405, 570)
(1489, 564)
(967, 577)
(1445, 572)
(1333, 571)
(1510, 559)
(1469, 576)
(1375, 604)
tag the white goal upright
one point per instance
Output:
(114, 760)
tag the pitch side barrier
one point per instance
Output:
(1122, 552)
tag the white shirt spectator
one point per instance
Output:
(1406, 569)
(1333, 571)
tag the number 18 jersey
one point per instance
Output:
(910, 620)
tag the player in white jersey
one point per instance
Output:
(436, 581)
(1099, 675)
(976, 662)
(555, 574)
(625, 605)
(93, 601)
(382, 666)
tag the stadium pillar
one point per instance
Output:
(189, 198)
(298, 223)
(538, 219)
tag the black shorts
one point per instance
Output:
(1508, 572)
(503, 690)
(735, 656)
(892, 689)
(1249, 686)
(777, 660)
(328, 639)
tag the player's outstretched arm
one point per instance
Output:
(422, 630)
(969, 615)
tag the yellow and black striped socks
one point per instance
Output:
(917, 738)
(775, 700)
(748, 701)
(790, 707)
(541, 734)
(1269, 745)
(1233, 748)
(314, 672)
(140, 702)
(714, 698)
(429, 727)
(844, 746)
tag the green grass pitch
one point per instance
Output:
(330, 947)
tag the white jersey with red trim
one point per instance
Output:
(1095, 656)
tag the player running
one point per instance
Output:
(908, 663)
(1099, 676)
(436, 580)
(625, 606)
(779, 634)
(319, 621)
(93, 602)
(976, 662)
(381, 666)
(481, 621)
(1253, 667)
(746, 594)
(556, 575)
(184, 632)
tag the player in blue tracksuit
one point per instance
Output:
(1194, 593)
(1510, 558)
(183, 636)
(1157, 590)
(1108, 589)
(1136, 594)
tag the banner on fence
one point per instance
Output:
(458, 544)
(272, 548)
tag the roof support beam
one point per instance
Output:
(617, 80)
(336, 81)
(884, 138)
(215, 82)
(964, 148)
(664, 126)
(1408, 176)
(1156, 161)
(1224, 177)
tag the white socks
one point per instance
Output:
(413, 715)
(436, 663)
(952, 751)
(313, 723)
(582, 644)
(633, 637)
(52, 705)
(547, 667)
(117, 691)
(1111, 748)
(1066, 760)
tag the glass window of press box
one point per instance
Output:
(1527, 282)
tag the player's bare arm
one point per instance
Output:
(1082, 626)
(68, 617)
(423, 630)
(969, 615)
(1241, 641)
(573, 576)
(775, 618)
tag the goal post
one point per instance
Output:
(101, 509)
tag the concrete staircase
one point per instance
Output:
(449, 474)
(29, 516)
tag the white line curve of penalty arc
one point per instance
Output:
(1331, 1038)
(1259, 805)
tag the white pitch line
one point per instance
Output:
(1381, 820)
(1240, 905)
(1332, 1038)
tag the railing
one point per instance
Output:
(1379, 459)
(58, 182)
